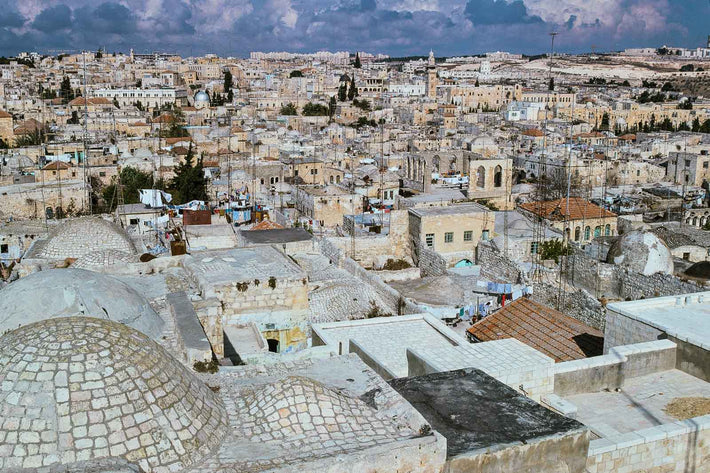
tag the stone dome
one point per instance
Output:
(98, 260)
(78, 389)
(642, 252)
(67, 292)
(75, 238)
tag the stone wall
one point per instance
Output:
(682, 447)
(25, 201)
(637, 286)
(495, 265)
(578, 304)
(430, 262)
(388, 294)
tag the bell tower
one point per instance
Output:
(432, 79)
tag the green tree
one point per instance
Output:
(362, 104)
(228, 81)
(551, 85)
(605, 122)
(296, 73)
(99, 54)
(352, 90)
(115, 103)
(358, 64)
(289, 109)
(343, 92)
(332, 106)
(74, 120)
(315, 110)
(553, 249)
(65, 91)
(132, 180)
(189, 182)
(696, 125)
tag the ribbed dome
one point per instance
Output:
(81, 236)
(69, 292)
(76, 389)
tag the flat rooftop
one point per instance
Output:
(457, 209)
(275, 236)
(219, 267)
(639, 404)
(493, 414)
(685, 317)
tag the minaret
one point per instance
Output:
(432, 80)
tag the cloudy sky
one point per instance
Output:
(395, 27)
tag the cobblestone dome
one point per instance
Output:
(75, 238)
(77, 388)
(97, 260)
(68, 292)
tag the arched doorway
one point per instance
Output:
(273, 345)
(481, 177)
(498, 177)
(464, 263)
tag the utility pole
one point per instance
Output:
(87, 184)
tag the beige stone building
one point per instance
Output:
(577, 219)
(6, 130)
(490, 179)
(689, 168)
(452, 231)
(326, 206)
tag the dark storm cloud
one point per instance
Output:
(396, 27)
(53, 19)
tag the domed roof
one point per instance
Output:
(75, 238)
(78, 388)
(66, 292)
(642, 252)
(97, 260)
(202, 96)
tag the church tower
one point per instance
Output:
(432, 80)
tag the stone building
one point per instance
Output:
(453, 231)
(326, 206)
(688, 168)
(259, 285)
(490, 179)
(577, 219)
(6, 130)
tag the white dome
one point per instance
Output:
(202, 96)
(642, 252)
(77, 389)
(67, 292)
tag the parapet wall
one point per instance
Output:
(682, 447)
(610, 371)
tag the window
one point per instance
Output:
(607, 230)
(314, 171)
(449, 237)
(587, 233)
(597, 231)
(686, 256)
(134, 221)
(498, 177)
(638, 172)
(533, 248)
(468, 235)
(295, 173)
(430, 240)
(705, 164)
(3, 248)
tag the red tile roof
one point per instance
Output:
(56, 165)
(579, 209)
(4, 114)
(542, 328)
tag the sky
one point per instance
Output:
(394, 27)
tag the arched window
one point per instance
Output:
(435, 162)
(597, 231)
(577, 233)
(498, 177)
(337, 179)
(481, 177)
(332, 179)
(607, 230)
(587, 232)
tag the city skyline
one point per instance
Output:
(394, 27)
